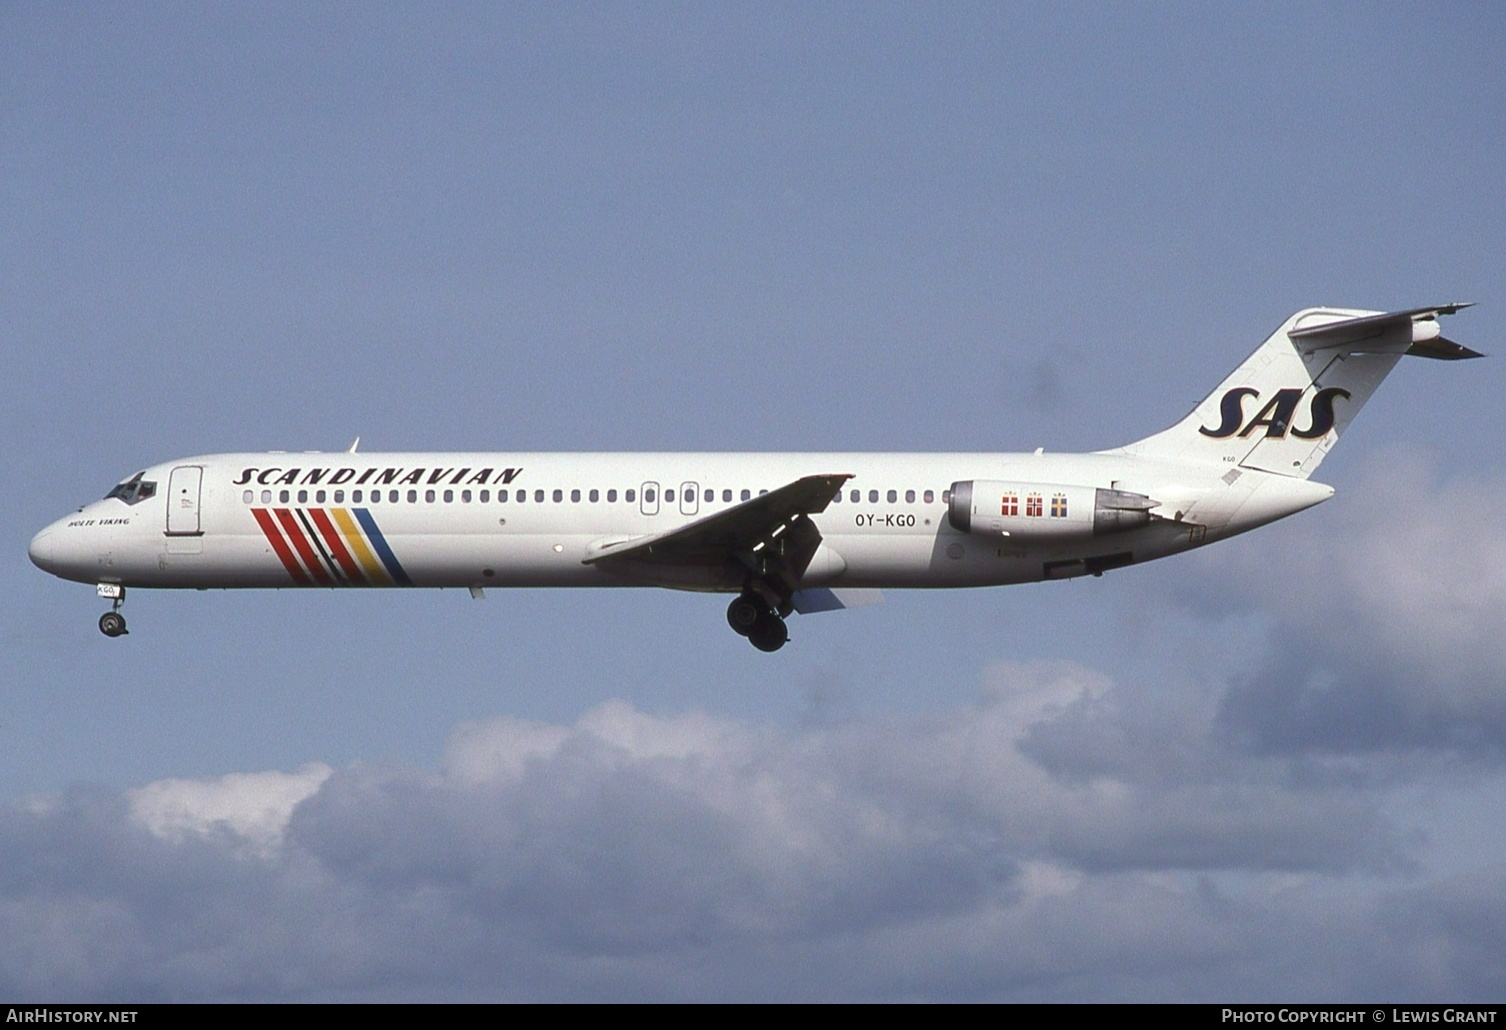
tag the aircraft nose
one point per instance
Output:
(49, 552)
(43, 550)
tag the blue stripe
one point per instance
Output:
(379, 544)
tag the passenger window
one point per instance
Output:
(909, 496)
(246, 497)
(376, 496)
(612, 496)
(946, 497)
(303, 497)
(747, 495)
(762, 492)
(855, 496)
(594, 495)
(837, 497)
(727, 495)
(574, 496)
(520, 496)
(412, 496)
(355, 495)
(449, 496)
(669, 495)
(486, 495)
(872, 496)
(630, 495)
(319, 497)
(429, 496)
(710, 496)
(559, 495)
(930, 496)
(465, 497)
(538, 497)
(266, 497)
(339, 496)
(893, 496)
(648, 497)
(282, 497)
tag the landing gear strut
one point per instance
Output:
(112, 623)
(751, 616)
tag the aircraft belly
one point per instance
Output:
(916, 560)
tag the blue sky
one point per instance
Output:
(1268, 770)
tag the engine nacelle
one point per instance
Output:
(1044, 512)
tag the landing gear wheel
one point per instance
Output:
(770, 633)
(744, 612)
(112, 624)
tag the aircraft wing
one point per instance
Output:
(770, 535)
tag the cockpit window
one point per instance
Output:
(134, 490)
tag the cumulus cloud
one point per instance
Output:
(249, 809)
(1388, 619)
(1054, 839)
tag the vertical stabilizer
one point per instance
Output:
(1287, 405)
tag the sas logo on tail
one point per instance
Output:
(1277, 414)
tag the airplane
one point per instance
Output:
(782, 532)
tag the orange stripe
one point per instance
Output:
(373, 568)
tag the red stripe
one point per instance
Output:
(336, 545)
(295, 534)
(274, 538)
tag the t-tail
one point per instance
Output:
(1287, 405)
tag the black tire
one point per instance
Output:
(112, 624)
(744, 613)
(771, 633)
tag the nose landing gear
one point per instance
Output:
(751, 616)
(112, 623)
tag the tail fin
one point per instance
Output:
(1286, 406)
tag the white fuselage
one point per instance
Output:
(441, 520)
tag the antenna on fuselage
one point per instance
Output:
(353, 445)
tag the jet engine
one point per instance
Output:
(1045, 512)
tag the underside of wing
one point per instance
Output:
(769, 538)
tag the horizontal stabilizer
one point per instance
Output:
(1443, 350)
(1350, 332)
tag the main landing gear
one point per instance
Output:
(112, 623)
(751, 616)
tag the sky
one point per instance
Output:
(1269, 770)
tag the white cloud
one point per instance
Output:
(254, 808)
(1063, 837)
(1385, 619)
